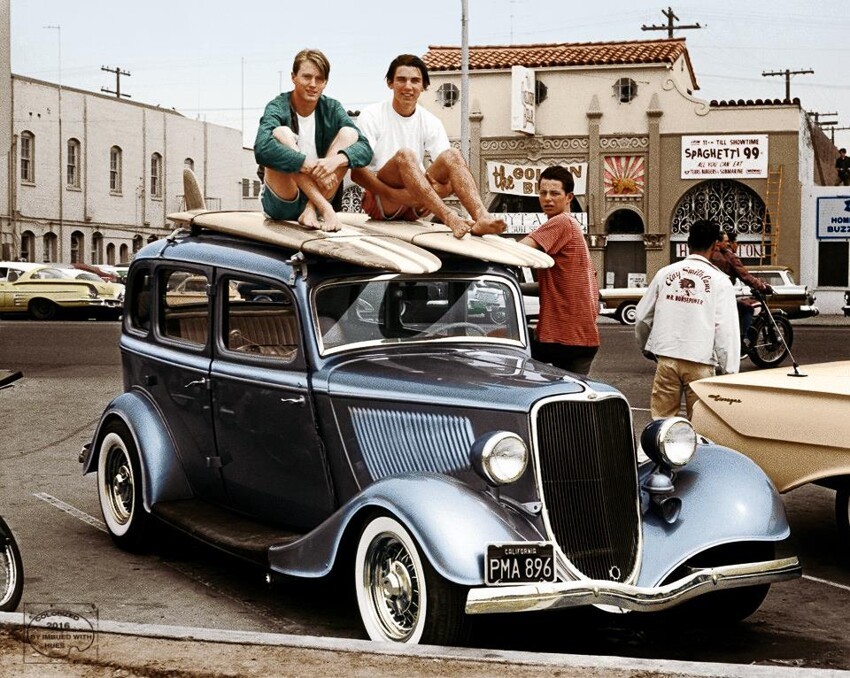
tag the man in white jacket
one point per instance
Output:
(688, 322)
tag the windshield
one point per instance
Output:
(392, 310)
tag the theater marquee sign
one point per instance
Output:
(725, 156)
(522, 179)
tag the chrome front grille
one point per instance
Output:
(588, 475)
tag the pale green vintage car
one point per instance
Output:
(45, 292)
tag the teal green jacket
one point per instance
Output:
(330, 118)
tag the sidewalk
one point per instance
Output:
(129, 650)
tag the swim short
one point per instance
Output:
(371, 204)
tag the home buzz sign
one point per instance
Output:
(833, 217)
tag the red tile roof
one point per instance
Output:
(560, 54)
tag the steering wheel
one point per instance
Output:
(476, 329)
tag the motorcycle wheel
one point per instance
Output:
(766, 346)
(11, 570)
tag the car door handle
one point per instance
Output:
(197, 382)
(295, 401)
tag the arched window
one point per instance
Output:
(123, 254)
(28, 246)
(97, 248)
(49, 242)
(188, 163)
(625, 89)
(156, 175)
(27, 155)
(115, 162)
(72, 176)
(77, 247)
(110, 254)
(448, 94)
(138, 243)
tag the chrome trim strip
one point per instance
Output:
(532, 597)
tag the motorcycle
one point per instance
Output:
(770, 336)
(11, 564)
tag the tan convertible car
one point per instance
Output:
(801, 433)
(46, 292)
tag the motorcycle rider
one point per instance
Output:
(725, 257)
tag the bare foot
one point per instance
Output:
(330, 222)
(487, 223)
(309, 218)
(460, 227)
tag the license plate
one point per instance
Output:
(519, 563)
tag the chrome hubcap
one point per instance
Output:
(394, 586)
(121, 486)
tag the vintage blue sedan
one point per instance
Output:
(329, 417)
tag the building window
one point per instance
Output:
(27, 157)
(73, 169)
(540, 92)
(138, 243)
(77, 247)
(625, 89)
(188, 163)
(110, 254)
(49, 242)
(123, 254)
(27, 246)
(832, 263)
(156, 175)
(115, 170)
(97, 248)
(448, 94)
(246, 188)
(256, 188)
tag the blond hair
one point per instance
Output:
(315, 57)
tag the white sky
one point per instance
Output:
(222, 61)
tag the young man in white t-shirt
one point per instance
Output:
(397, 185)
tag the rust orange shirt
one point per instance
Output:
(569, 293)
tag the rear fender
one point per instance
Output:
(163, 478)
(450, 521)
(726, 498)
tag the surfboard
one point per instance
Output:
(348, 244)
(439, 238)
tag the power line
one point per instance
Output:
(118, 73)
(787, 73)
(670, 27)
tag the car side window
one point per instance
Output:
(184, 309)
(139, 300)
(260, 320)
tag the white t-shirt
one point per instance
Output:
(307, 136)
(387, 132)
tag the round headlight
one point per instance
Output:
(670, 441)
(500, 457)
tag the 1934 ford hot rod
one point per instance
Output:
(334, 417)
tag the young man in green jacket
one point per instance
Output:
(305, 144)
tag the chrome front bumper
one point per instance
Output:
(544, 596)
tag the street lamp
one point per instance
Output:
(58, 30)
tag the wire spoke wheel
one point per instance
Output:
(11, 570)
(768, 344)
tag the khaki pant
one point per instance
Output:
(672, 376)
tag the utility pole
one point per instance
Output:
(833, 130)
(59, 253)
(118, 73)
(670, 27)
(464, 80)
(817, 116)
(788, 73)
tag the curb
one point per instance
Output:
(498, 658)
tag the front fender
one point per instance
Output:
(450, 521)
(726, 498)
(163, 478)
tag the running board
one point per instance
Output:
(224, 529)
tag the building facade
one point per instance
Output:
(649, 156)
(90, 178)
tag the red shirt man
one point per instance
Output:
(567, 334)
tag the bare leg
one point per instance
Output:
(402, 171)
(450, 170)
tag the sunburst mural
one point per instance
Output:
(624, 174)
